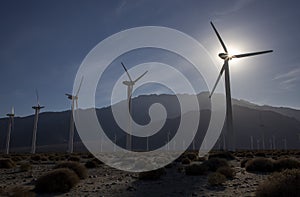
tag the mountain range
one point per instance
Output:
(273, 124)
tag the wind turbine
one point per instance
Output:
(226, 57)
(10, 128)
(74, 99)
(37, 109)
(130, 85)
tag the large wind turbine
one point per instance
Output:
(74, 99)
(225, 56)
(37, 109)
(130, 85)
(10, 128)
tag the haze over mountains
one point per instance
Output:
(249, 120)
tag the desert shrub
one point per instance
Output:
(224, 155)
(244, 161)
(87, 156)
(191, 156)
(74, 158)
(97, 161)
(79, 169)
(186, 161)
(17, 191)
(152, 175)
(227, 171)
(281, 184)
(196, 169)
(259, 165)
(91, 164)
(7, 163)
(200, 159)
(249, 155)
(286, 163)
(214, 163)
(35, 158)
(58, 180)
(260, 154)
(16, 158)
(25, 166)
(216, 178)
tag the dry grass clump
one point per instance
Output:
(185, 161)
(152, 175)
(223, 154)
(58, 180)
(7, 163)
(244, 161)
(216, 178)
(227, 171)
(281, 184)
(78, 168)
(191, 156)
(196, 169)
(286, 163)
(260, 154)
(91, 164)
(36, 157)
(74, 158)
(17, 191)
(25, 166)
(259, 165)
(214, 163)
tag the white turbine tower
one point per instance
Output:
(130, 85)
(225, 68)
(74, 99)
(10, 128)
(37, 109)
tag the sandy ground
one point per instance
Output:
(106, 181)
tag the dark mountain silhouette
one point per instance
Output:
(249, 120)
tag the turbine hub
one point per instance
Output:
(223, 56)
(128, 83)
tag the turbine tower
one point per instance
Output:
(74, 100)
(37, 109)
(10, 128)
(130, 85)
(225, 68)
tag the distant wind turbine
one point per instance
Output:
(10, 128)
(226, 57)
(37, 109)
(74, 99)
(130, 85)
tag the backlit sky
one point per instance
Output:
(42, 44)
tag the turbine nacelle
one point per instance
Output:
(129, 83)
(38, 107)
(224, 56)
(71, 97)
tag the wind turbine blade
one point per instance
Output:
(251, 54)
(79, 86)
(126, 71)
(219, 37)
(218, 79)
(140, 76)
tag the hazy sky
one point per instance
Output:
(42, 44)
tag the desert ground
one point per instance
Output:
(21, 172)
